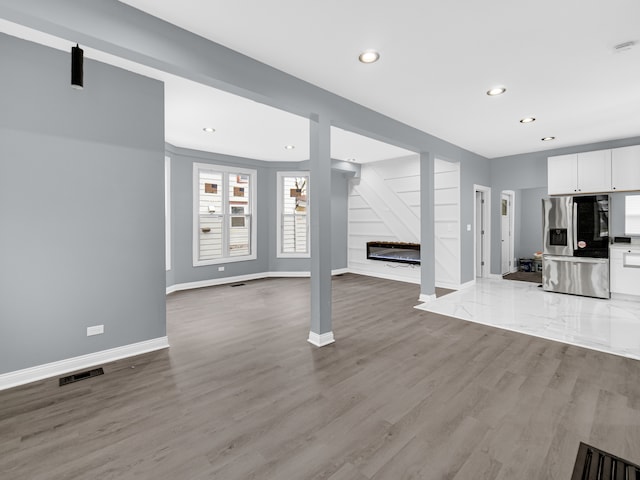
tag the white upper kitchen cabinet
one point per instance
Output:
(594, 171)
(625, 168)
(578, 173)
(562, 174)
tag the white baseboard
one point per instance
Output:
(625, 296)
(455, 286)
(468, 284)
(40, 372)
(339, 271)
(320, 340)
(386, 276)
(215, 281)
(425, 298)
(244, 278)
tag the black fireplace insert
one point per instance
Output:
(394, 252)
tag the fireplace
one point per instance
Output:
(400, 252)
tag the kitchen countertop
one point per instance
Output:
(624, 246)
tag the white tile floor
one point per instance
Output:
(611, 326)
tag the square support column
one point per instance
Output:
(321, 333)
(427, 228)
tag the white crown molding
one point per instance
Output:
(53, 369)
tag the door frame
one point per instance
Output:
(513, 267)
(486, 191)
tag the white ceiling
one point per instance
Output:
(438, 59)
(243, 127)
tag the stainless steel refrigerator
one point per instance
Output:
(576, 245)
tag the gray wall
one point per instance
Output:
(528, 235)
(152, 42)
(182, 269)
(473, 171)
(529, 171)
(81, 207)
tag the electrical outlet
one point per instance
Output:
(95, 330)
(221, 269)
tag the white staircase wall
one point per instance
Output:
(384, 204)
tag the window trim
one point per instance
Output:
(195, 206)
(279, 206)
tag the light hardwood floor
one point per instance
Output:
(402, 394)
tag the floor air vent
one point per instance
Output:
(76, 377)
(592, 463)
(238, 284)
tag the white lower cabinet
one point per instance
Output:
(625, 269)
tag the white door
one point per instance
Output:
(479, 234)
(505, 216)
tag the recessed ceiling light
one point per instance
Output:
(496, 91)
(351, 159)
(209, 129)
(369, 56)
(289, 147)
(527, 120)
(547, 139)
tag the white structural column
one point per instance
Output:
(427, 228)
(320, 211)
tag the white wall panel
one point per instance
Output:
(389, 193)
(363, 214)
(447, 223)
(447, 195)
(411, 199)
(356, 201)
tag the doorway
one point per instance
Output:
(507, 219)
(482, 231)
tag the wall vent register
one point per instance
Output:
(76, 377)
(592, 463)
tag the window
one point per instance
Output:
(293, 214)
(224, 214)
(632, 215)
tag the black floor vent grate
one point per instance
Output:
(592, 463)
(76, 377)
(238, 284)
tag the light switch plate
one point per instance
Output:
(95, 330)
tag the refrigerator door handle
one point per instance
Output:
(574, 224)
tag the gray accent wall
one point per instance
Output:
(528, 172)
(81, 207)
(182, 269)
